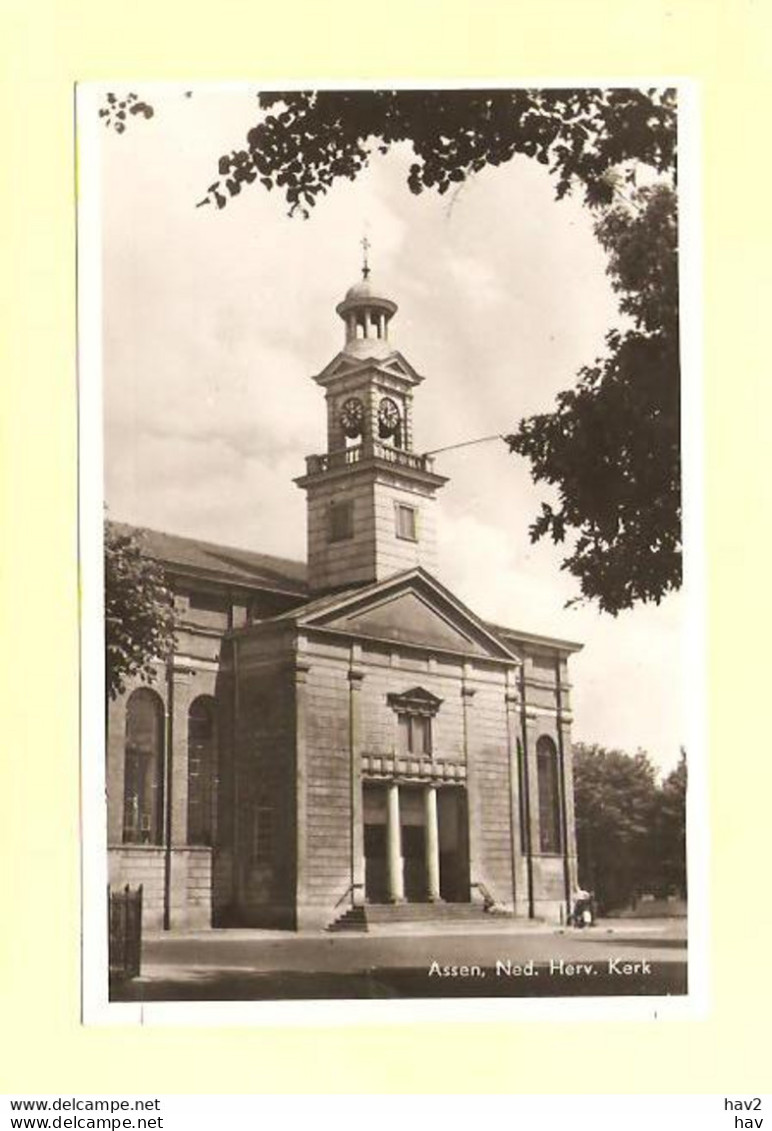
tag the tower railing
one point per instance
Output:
(368, 449)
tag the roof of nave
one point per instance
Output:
(239, 567)
(515, 636)
(216, 562)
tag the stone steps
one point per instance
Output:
(377, 914)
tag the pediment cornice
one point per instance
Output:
(410, 608)
(392, 367)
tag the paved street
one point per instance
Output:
(512, 960)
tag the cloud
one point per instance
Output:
(626, 680)
(215, 323)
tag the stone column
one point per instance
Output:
(432, 844)
(396, 881)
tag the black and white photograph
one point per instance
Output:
(386, 618)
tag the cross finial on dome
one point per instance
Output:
(365, 264)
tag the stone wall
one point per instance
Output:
(262, 786)
(296, 717)
(325, 871)
(374, 551)
(190, 899)
(476, 727)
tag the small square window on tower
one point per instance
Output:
(407, 522)
(341, 520)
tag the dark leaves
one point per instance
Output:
(630, 829)
(139, 616)
(114, 112)
(611, 449)
(308, 139)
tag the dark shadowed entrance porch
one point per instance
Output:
(415, 843)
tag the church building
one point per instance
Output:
(343, 742)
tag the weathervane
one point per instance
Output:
(365, 265)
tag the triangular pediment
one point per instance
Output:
(347, 365)
(412, 608)
(416, 701)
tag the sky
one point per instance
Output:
(214, 323)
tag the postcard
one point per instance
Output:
(389, 464)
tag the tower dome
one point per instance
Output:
(365, 291)
(366, 312)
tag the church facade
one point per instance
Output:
(345, 739)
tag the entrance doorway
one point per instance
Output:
(454, 844)
(411, 861)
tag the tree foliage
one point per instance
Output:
(610, 449)
(612, 446)
(615, 804)
(629, 829)
(306, 140)
(671, 829)
(116, 111)
(139, 615)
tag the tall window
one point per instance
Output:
(202, 768)
(143, 769)
(550, 838)
(415, 734)
(415, 710)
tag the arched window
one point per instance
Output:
(143, 769)
(202, 766)
(550, 838)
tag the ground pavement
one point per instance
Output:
(504, 959)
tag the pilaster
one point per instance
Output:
(116, 766)
(472, 786)
(564, 722)
(530, 735)
(512, 707)
(180, 696)
(355, 678)
(300, 672)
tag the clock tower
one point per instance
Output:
(371, 498)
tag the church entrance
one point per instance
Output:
(454, 844)
(415, 843)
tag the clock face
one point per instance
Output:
(352, 414)
(388, 417)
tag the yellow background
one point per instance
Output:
(45, 48)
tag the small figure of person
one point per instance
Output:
(582, 913)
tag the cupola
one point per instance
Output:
(366, 312)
